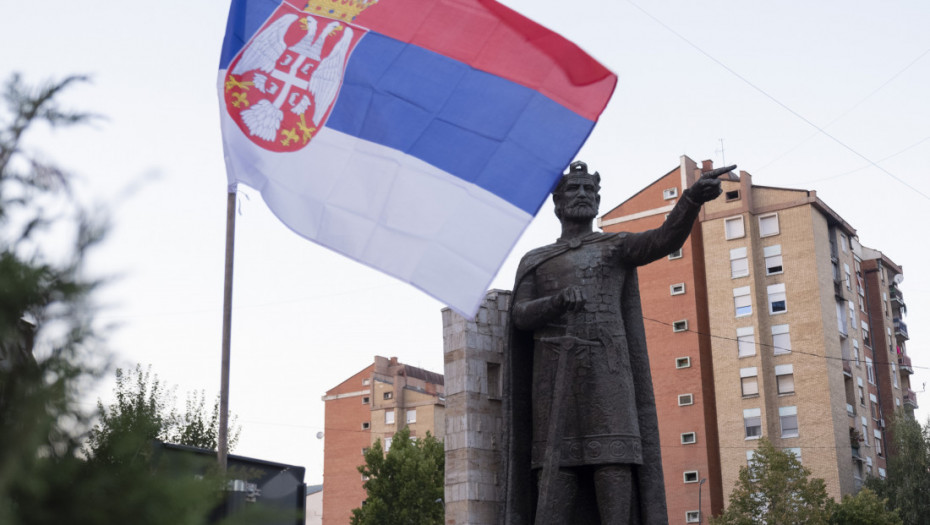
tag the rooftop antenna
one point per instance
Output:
(723, 157)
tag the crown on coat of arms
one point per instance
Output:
(345, 10)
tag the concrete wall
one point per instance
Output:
(473, 352)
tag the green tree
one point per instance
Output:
(47, 339)
(775, 489)
(864, 508)
(907, 486)
(404, 486)
(144, 411)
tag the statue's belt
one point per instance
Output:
(567, 343)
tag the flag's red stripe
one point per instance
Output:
(500, 41)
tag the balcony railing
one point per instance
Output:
(910, 399)
(905, 363)
(900, 328)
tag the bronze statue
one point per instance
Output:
(583, 442)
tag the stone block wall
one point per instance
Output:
(473, 350)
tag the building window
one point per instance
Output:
(752, 422)
(870, 371)
(366, 425)
(847, 276)
(680, 326)
(865, 334)
(366, 400)
(874, 406)
(366, 382)
(844, 242)
(773, 262)
(742, 301)
(878, 443)
(745, 341)
(494, 380)
(688, 438)
(675, 254)
(789, 421)
(749, 381)
(894, 375)
(364, 450)
(677, 289)
(732, 195)
(768, 225)
(865, 430)
(739, 264)
(784, 378)
(692, 516)
(669, 193)
(691, 476)
(683, 362)
(781, 339)
(856, 352)
(389, 395)
(685, 400)
(388, 417)
(861, 392)
(734, 228)
(387, 444)
(412, 415)
(777, 299)
(794, 450)
(881, 473)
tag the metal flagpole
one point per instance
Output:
(221, 438)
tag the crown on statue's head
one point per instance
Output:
(344, 10)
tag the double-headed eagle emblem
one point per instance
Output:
(273, 87)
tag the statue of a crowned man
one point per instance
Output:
(583, 439)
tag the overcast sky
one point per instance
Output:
(741, 81)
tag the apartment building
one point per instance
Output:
(771, 321)
(373, 404)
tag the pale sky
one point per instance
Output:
(740, 81)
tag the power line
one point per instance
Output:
(780, 103)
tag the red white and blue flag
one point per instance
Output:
(418, 137)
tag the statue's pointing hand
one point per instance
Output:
(707, 188)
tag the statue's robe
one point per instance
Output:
(609, 413)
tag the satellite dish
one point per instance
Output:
(319, 435)
(898, 278)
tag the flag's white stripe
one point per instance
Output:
(385, 209)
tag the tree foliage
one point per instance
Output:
(48, 340)
(775, 489)
(907, 486)
(863, 508)
(404, 486)
(144, 411)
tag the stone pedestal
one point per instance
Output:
(473, 350)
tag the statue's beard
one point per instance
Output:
(579, 211)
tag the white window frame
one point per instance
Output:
(688, 438)
(789, 413)
(388, 395)
(742, 298)
(745, 342)
(794, 450)
(749, 372)
(693, 473)
(774, 264)
(387, 443)
(677, 289)
(736, 232)
(869, 371)
(388, 417)
(692, 516)
(781, 339)
(366, 425)
(366, 400)
(685, 400)
(680, 326)
(763, 220)
(752, 415)
(732, 195)
(783, 371)
(413, 412)
(739, 263)
(366, 381)
(675, 254)
(776, 294)
(669, 193)
(682, 362)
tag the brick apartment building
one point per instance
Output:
(373, 404)
(771, 321)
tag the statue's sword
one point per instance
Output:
(564, 346)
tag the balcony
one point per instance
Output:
(900, 329)
(897, 298)
(904, 363)
(910, 399)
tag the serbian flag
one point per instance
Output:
(418, 137)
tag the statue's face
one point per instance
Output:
(578, 199)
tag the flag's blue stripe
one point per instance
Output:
(501, 136)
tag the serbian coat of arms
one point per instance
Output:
(281, 87)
